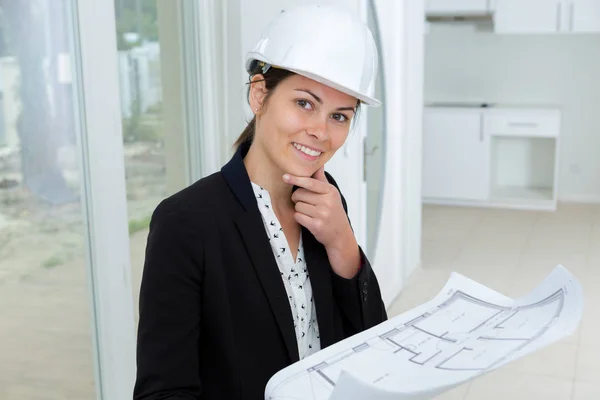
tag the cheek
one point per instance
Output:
(285, 120)
(283, 123)
(291, 122)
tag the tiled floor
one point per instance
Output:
(511, 252)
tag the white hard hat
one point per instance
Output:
(323, 43)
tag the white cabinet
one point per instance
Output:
(547, 16)
(455, 156)
(492, 157)
(584, 16)
(457, 7)
(529, 16)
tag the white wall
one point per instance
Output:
(564, 70)
(414, 58)
(398, 250)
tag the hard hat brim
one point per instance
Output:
(367, 100)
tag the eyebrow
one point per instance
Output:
(353, 109)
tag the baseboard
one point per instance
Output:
(580, 198)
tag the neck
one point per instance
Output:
(270, 177)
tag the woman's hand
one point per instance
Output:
(319, 209)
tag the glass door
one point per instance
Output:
(149, 67)
(91, 121)
(374, 146)
(59, 194)
(46, 338)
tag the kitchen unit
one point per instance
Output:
(546, 16)
(445, 8)
(491, 155)
(523, 16)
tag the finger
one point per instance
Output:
(307, 183)
(306, 209)
(305, 221)
(320, 175)
(306, 196)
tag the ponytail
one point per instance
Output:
(247, 135)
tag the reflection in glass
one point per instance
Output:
(139, 55)
(45, 328)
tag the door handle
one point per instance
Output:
(523, 124)
(364, 159)
(481, 128)
(370, 153)
(365, 155)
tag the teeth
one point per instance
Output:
(305, 150)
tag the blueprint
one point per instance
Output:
(466, 331)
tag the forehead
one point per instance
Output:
(324, 92)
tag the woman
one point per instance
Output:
(255, 267)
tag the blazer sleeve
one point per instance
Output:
(359, 298)
(169, 306)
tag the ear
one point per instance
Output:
(258, 92)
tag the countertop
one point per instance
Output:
(492, 106)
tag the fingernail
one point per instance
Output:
(286, 177)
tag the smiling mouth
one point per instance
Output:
(307, 151)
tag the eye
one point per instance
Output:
(339, 117)
(304, 104)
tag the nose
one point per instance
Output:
(318, 129)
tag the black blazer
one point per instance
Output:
(215, 322)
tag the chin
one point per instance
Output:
(298, 170)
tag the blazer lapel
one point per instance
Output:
(319, 271)
(252, 230)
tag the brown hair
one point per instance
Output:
(272, 78)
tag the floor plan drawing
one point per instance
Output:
(458, 338)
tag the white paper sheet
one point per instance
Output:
(467, 330)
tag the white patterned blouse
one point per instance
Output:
(294, 275)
